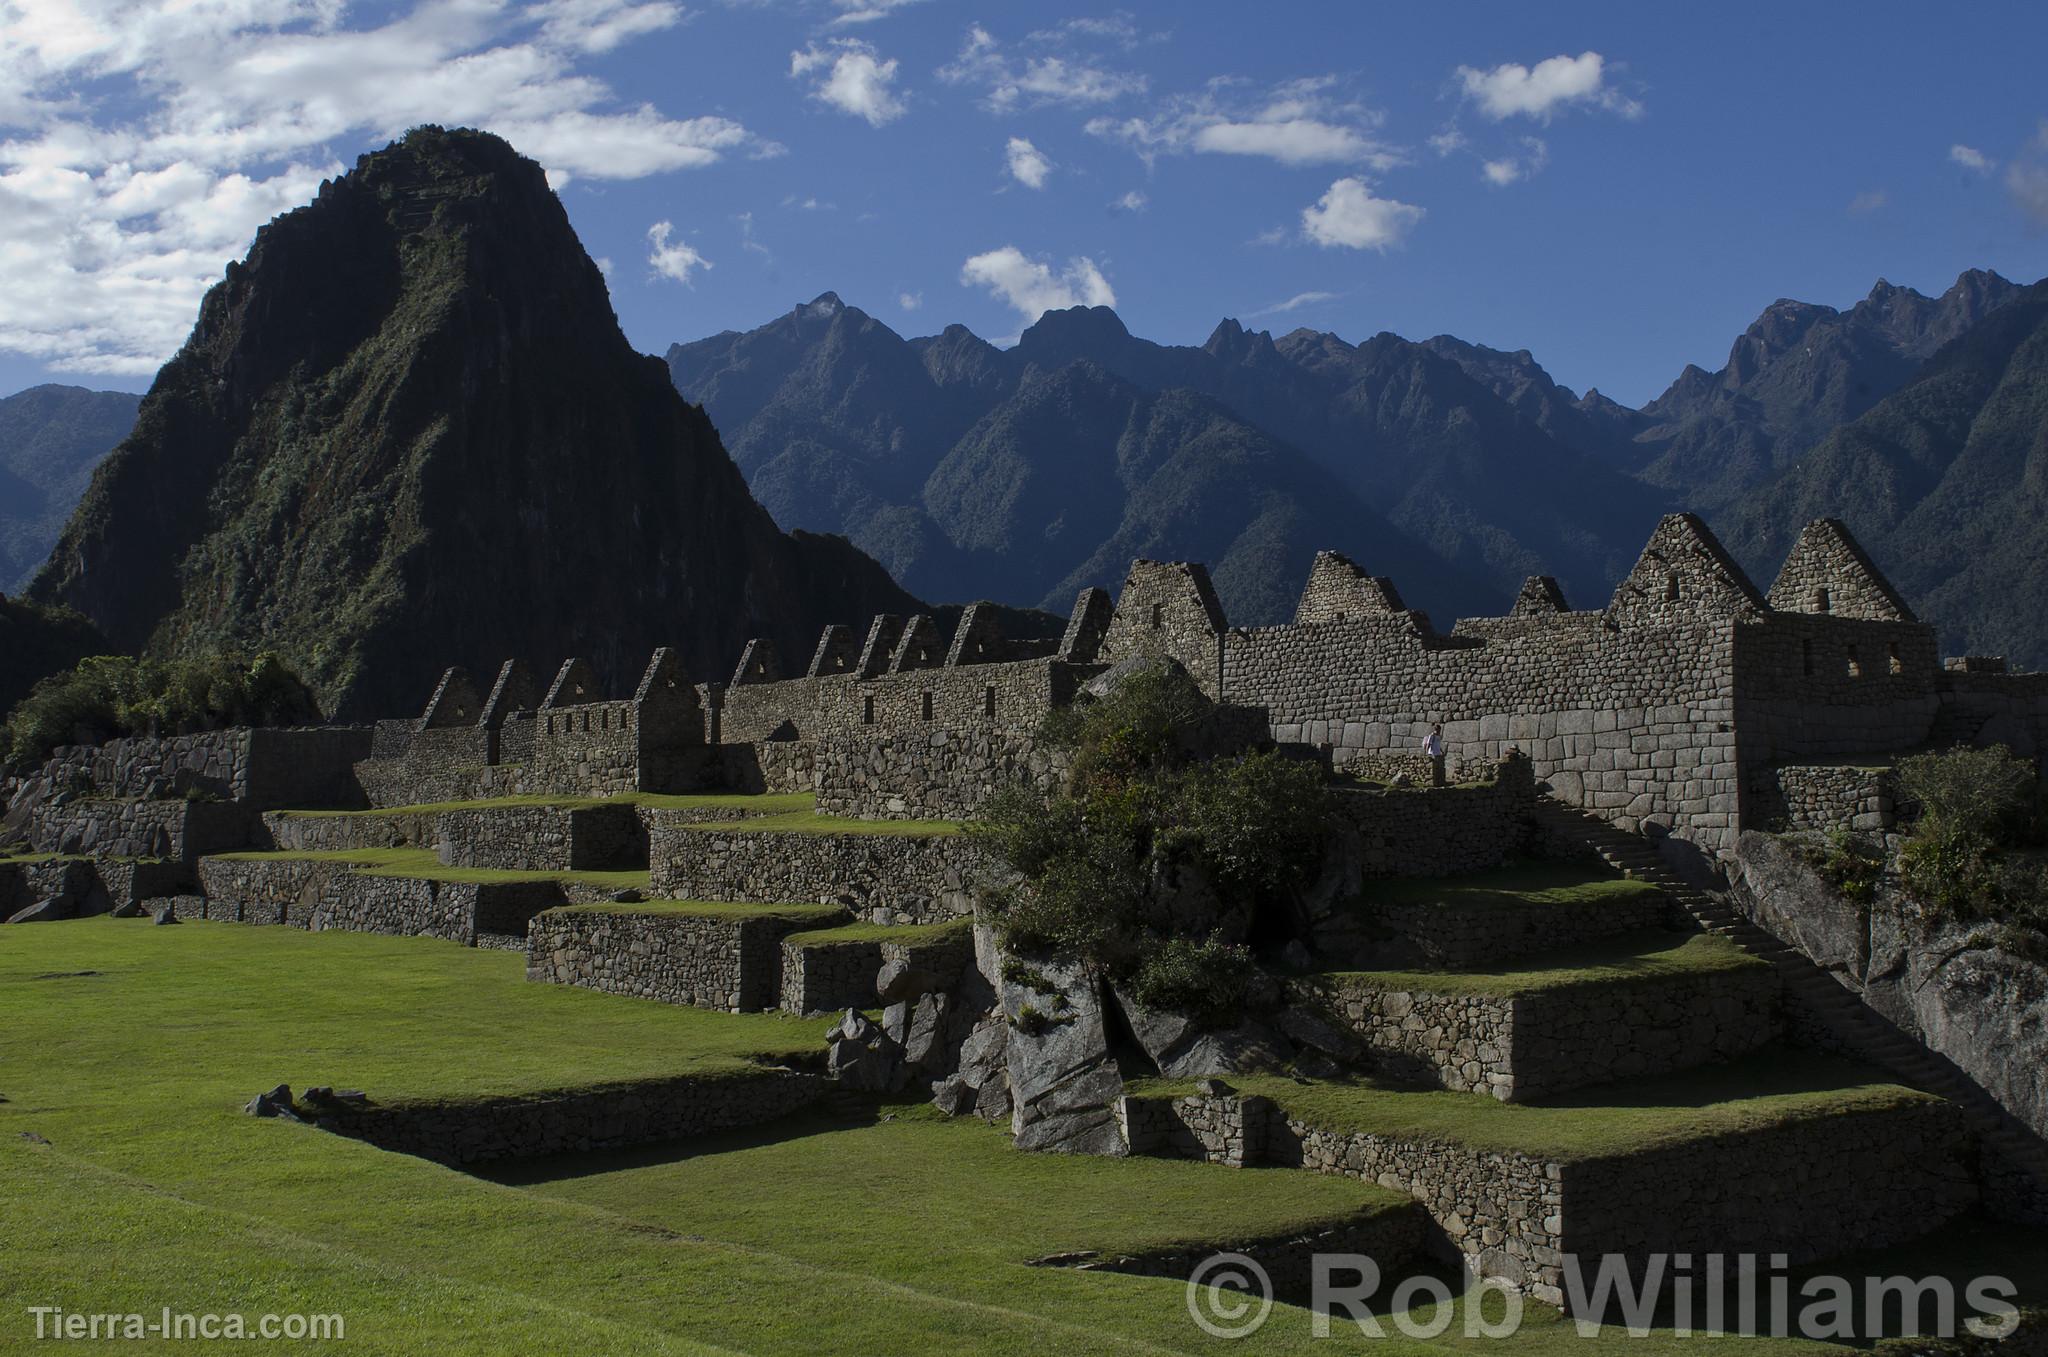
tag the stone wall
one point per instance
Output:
(720, 961)
(1811, 1188)
(1633, 722)
(575, 1120)
(525, 838)
(177, 828)
(939, 775)
(1823, 797)
(292, 833)
(323, 894)
(263, 769)
(820, 976)
(1438, 831)
(882, 878)
(1542, 1042)
(1009, 696)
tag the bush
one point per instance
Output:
(1977, 806)
(1852, 864)
(1205, 980)
(109, 696)
(1147, 850)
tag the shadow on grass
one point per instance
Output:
(838, 1110)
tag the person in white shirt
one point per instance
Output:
(1433, 745)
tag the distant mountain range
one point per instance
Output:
(1453, 468)
(51, 437)
(1023, 474)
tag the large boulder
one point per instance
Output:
(1180, 1048)
(43, 911)
(860, 1055)
(1063, 1080)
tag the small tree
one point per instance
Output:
(1152, 863)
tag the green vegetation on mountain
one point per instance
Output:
(407, 432)
(108, 696)
(36, 642)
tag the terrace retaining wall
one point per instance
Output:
(883, 878)
(575, 1120)
(728, 963)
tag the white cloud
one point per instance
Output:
(1036, 81)
(1134, 201)
(2027, 178)
(674, 261)
(1970, 158)
(1863, 204)
(1514, 90)
(1032, 287)
(1515, 168)
(206, 119)
(747, 240)
(1294, 303)
(866, 11)
(1449, 141)
(1027, 164)
(1350, 215)
(1297, 123)
(857, 80)
(910, 301)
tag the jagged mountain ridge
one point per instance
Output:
(1382, 450)
(1798, 372)
(1945, 482)
(51, 438)
(406, 432)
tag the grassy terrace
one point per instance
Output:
(804, 822)
(1772, 1087)
(713, 909)
(1630, 959)
(913, 934)
(818, 1236)
(861, 1229)
(1543, 883)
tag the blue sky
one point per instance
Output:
(1618, 188)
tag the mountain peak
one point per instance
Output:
(1077, 331)
(824, 304)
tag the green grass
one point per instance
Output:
(916, 935)
(858, 1229)
(1630, 959)
(713, 909)
(422, 864)
(1541, 883)
(1772, 1087)
(803, 822)
(777, 803)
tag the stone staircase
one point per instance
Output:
(1849, 1021)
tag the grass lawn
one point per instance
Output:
(1629, 959)
(421, 863)
(1770, 1087)
(804, 822)
(1543, 883)
(713, 909)
(913, 934)
(857, 1231)
(777, 803)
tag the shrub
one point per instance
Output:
(108, 696)
(1205, 980)
(1977, 806)
(1852, 864)
(1150, 863)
